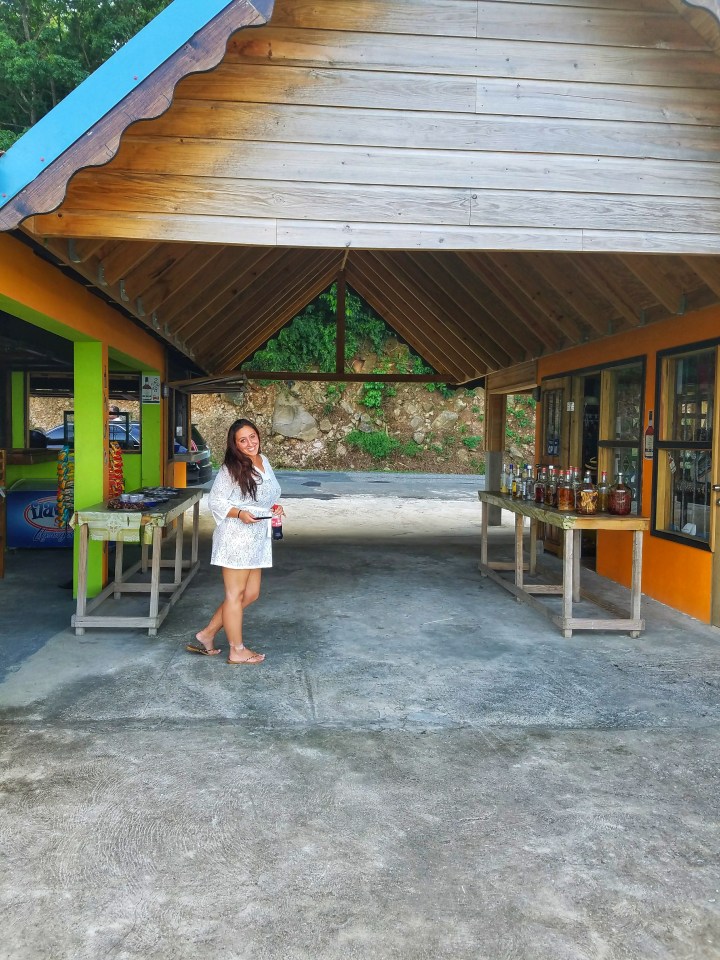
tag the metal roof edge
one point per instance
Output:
(132, 64)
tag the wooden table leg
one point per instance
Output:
(118, 566)
(195, 534)
(179, 534)
(155, 578)
(519, 563)
(484, 512)
(568, 568)
(143, 553)
(636, 590)
(82, 576)
(533, 546)
(577, 553)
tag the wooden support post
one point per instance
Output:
(495, 415)
(568, 570)
(340, 325)
(179, 549)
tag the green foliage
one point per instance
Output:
(381, 445)
(48, 47)
(371, 395)
(309, 343)
(472, 443)
(378, 443)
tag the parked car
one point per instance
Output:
(197, 473)
(56, 436)
(200, 472)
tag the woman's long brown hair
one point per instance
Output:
(238, 463)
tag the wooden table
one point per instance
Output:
(571, 525)
(161, 524)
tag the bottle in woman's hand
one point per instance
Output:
(276, 522)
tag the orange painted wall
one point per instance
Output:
(673, 573)
(37, 285)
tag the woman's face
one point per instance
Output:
(247, 441)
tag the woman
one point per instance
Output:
(241, 500)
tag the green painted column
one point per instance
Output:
(91, 447)
(18, 409)
(151, 423)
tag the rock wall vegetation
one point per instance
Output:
(424, 428)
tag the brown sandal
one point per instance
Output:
(201, 650)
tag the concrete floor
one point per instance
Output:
(422, 769)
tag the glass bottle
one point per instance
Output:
(529, 484)
(587, 503)
(551, 488)
(565, 493)
(620, 501)
(576, 484)
(603, 493)
(276, 522)
(504, 479)
(540, 485)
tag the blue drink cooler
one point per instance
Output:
(32, 514)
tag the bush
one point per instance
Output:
(378, 444)
(472, 443)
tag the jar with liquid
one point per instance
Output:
(603, 493)
(587, 497)
(565, 494)
(620, 500)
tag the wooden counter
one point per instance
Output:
(571, 525)
(153, 528)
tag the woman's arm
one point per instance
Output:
(224, 490)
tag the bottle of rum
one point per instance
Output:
(603, 493)
(540, 485)
(565, 493)
(504, 480)
(551, 488)
(587, 503)
(649, 439)
(620, 498)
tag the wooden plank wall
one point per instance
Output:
(576, 125)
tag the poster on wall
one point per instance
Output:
(150, 388)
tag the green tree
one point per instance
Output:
(48, 47)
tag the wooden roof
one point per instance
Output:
(497, 186)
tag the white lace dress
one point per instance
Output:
(238, 545)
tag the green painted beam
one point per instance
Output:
(18, 409)
(91, 402)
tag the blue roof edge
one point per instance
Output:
(71, 119)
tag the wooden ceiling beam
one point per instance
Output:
(412, 277)
(647, 271)
(523, 313)
(406, 289)
(173, 275)
(556, 270)
(464, 308)
(708, 269)
(233, 271)
(378, 287)
(298, 296)
(590, 268)
(487, 308)
(531, 288)
(124, 257)
(262, 293)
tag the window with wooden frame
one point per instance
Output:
(621, 421)
(687, 400)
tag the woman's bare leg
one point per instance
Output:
(207, 635)
(237, 584)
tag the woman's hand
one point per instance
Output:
(247, 517)
(278, 510)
